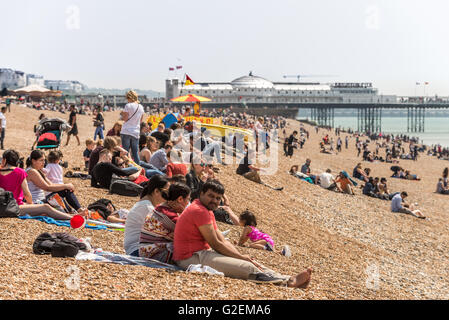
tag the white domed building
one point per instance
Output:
(258, 91)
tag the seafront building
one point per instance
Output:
(257, 90)
(12, 79)
(75, 87)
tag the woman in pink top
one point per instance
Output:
(13, 179)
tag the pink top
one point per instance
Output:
(13, 182)
(256, 235)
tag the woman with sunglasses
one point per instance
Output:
(196, 177)
(151, 197)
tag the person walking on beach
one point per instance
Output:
(133, 116)
(74, 125)
(292, 140)
(346, 142)
(339, 143)
(8, 104)
(2, 126)
(99, 124)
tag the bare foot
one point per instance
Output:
(83, 212)
(301, 280)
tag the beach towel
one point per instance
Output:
(60, 223)
(109, 257)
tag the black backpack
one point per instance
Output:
(60, 245)
(8, 205)
(125, 188)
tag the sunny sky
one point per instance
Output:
(121, 44)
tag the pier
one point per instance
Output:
(369, 115)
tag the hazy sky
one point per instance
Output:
(120, 44)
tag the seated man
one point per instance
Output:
(327, 181)
(196, 233)
(104, 169)
(397, 206)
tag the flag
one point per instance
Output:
(178, 67)
(171, 69)
(189, 82)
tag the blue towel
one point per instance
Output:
(347, 176)
(59, 223)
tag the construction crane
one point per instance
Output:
(299, 76)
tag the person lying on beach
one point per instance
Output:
(323, 150)
(199, 241)
(399, 205)
(13, 179)
(250, 172)
(103, 209)
(410, 176)
(256, 238)
(294, 172)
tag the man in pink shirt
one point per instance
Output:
(198, 241)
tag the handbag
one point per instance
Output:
(8, 205)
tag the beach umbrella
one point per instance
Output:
(32, 90)
(191, 98)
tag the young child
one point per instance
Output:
(258, 240)
(90, 145)
(53, 169)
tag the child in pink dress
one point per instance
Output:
(258, 239)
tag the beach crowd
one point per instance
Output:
(173, 170)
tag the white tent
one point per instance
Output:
(32, 89)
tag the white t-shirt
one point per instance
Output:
(132, 126)
(134, 223)
(54, 173)
(2, 116)
(326, 180)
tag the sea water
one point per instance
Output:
(436, 128)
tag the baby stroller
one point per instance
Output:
(50, 132)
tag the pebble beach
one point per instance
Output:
(356, 246)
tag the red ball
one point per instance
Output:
(77, 222)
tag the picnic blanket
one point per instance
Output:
(110, 257)
(60, 223)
